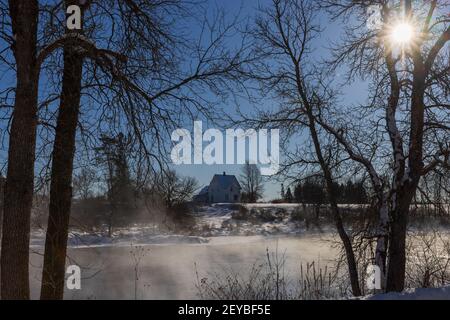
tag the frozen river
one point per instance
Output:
(167, 271)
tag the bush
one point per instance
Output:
(307, 215)
(179, 218)
(428, 260)
(241, 214)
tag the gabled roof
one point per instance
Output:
(204, 190)
(225, 181)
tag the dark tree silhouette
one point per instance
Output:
(251, 182)
(283, 35)
(21, 153)
(288, 196)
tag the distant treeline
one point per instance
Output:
(312, 191)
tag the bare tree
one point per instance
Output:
(251, 182)
(174, 189)
(284, 32)
(118, 74)
(408, 82)
(21, 152)
(83, 183)
(61, 172)
(2, 199)
(29, 58)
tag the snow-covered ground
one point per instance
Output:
(414, 294)
(120, 238)
(260, 219)
(210, 221)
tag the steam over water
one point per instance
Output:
(167, 271)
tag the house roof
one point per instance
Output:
(204, 190)
(224, 180)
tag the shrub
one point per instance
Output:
(428, 260)
(241, 213)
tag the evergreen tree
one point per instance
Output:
(288, 196)
(120, 189)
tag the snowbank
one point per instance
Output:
(124, 237)
(221, 219)
(442, 293)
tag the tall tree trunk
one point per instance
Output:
(61, 176)
(405, 189)
(348, 247)
(383, 238)
(21, 154)
(397, 242)
(346, 241)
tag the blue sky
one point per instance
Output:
(354, 93)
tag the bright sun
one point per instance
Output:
(402, 33)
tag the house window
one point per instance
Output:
(235, 197)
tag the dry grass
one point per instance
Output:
(428, 260)
(268, 280)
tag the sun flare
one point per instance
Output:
(402, 33)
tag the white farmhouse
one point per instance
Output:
(222, 188)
